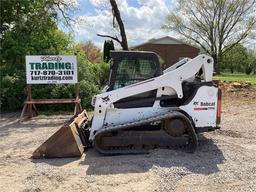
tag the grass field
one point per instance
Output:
(236, 77)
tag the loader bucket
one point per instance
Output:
(66, 142)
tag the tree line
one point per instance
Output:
(216, 26)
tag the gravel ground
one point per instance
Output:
(224, 161)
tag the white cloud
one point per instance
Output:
(141, 23)
(98, 3)
(71, 3)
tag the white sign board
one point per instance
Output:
(51, 69)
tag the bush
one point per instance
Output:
(12, 91)
(92, 77)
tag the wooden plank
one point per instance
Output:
(23, 112)
(75, 110)
(30, 104)
(30, 112)
(53, 101)
(34, 106)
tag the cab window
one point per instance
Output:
(131, 71)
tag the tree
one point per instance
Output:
(250, 67)
(92, 52)
(30, 27)
(117, 17)
(239, 59)
(108, 45)
(216, 25)
(27, 27)
(17, 13)
(235, 59)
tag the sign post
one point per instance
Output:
(50, 69)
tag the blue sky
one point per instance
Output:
(142, 19)
(86, 7)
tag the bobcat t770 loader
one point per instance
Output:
(143, 108)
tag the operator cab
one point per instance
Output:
(129, 67)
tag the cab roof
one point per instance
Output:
(119, 55)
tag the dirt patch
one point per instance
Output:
(229, 133)
(224, 161)
(234, 93)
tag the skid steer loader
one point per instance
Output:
(143, 108)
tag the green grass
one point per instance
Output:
(237, 77)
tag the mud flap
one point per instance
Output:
(66, 142)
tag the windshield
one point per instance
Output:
(130, 71)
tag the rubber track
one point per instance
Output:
(191, 147)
